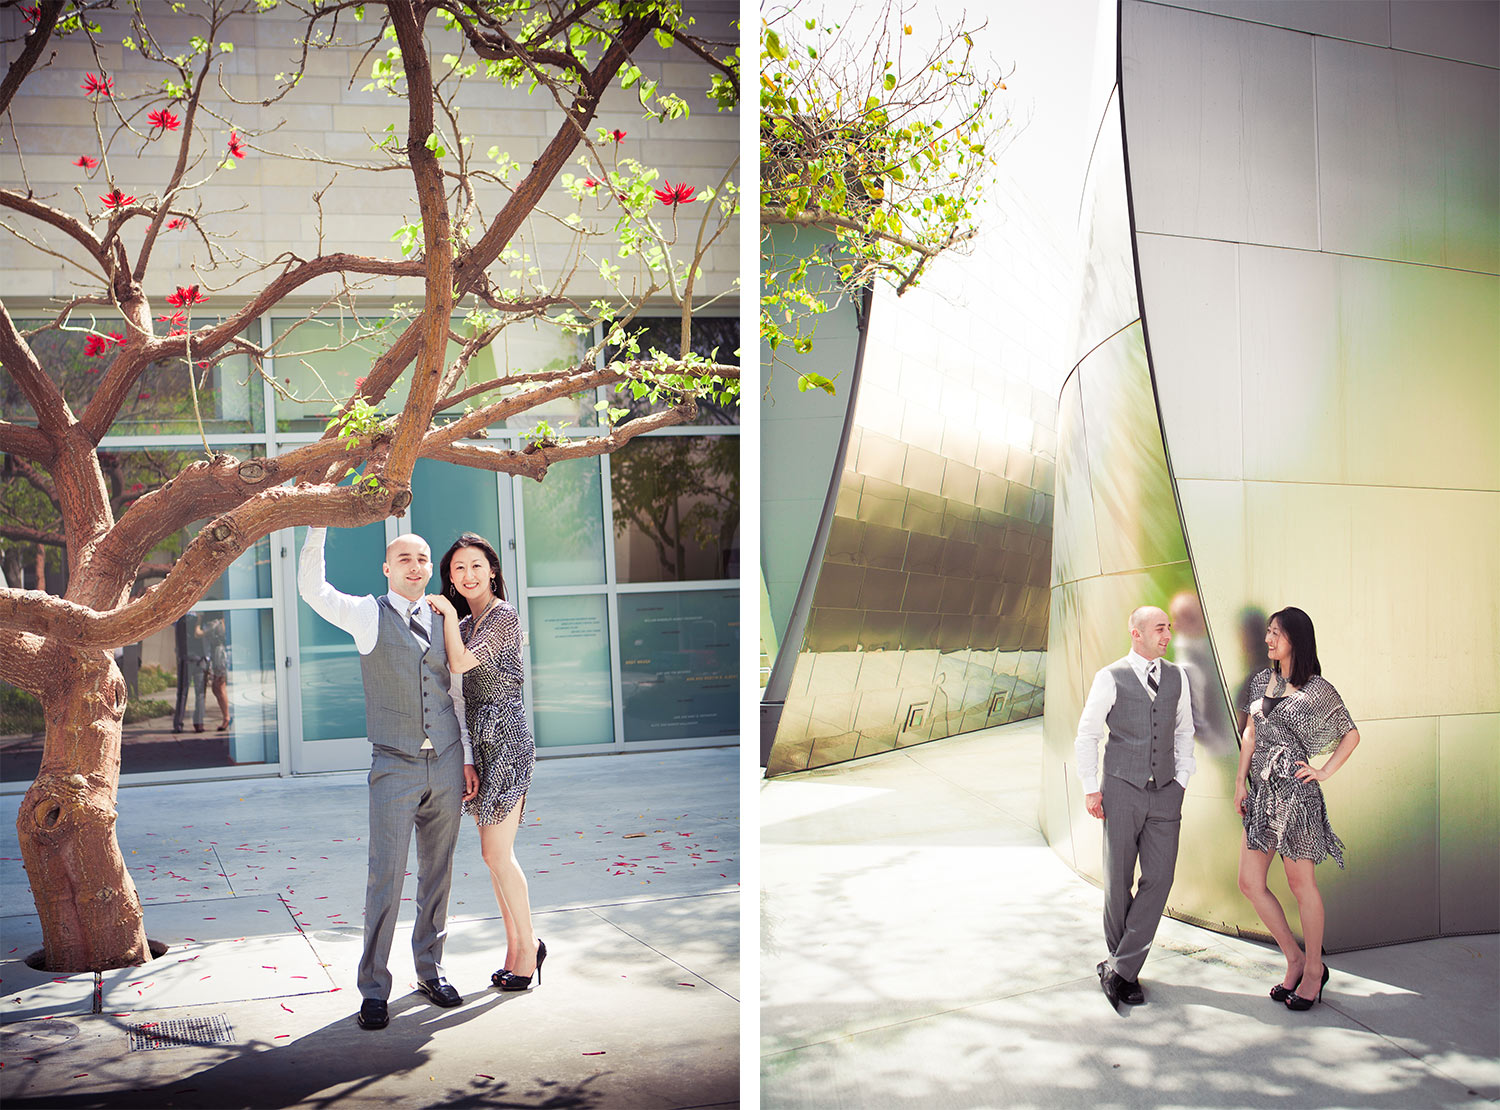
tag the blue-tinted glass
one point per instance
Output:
(570, 679)
(448, 500)
(679, 664)
(202, 700)
(333, 693)
(564, 515)
(230, 397)
(677, 511)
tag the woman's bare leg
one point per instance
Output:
(1299, 876)
(497, 845)
(1253, 868)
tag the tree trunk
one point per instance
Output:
(89, 909)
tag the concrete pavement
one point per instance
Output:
(257, 888)
(922, 946)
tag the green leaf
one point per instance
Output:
(774, 47)
(809, 381)
(890, 83)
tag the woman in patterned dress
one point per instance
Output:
(1294, 714)
(482, 633)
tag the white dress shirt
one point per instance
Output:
(360, 617)
(1092, 727)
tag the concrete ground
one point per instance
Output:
(922, 946)
(257, 887)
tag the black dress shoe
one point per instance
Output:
(1130, 991)
(1111, 984)
(372, 1014)
(440, 991)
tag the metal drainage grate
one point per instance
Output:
(180, 1032)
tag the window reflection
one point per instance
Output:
(676, 506)
(200, 694)
(715, 337)
(570, 677)
(564, 521)
(230, 397)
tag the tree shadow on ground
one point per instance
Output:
(337, 1064)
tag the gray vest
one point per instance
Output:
(1140, 730)
(406, 686)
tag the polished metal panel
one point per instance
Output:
(799, 443)
(1431, 196)
(933, 583)
(1107, 300)
(1390, 889)
(1458, 29)
(1132, 492)
(1191, 289)
(1345, 356)
(1468, 821)
(1230, 137)
(1358, 20)
(1331, 422)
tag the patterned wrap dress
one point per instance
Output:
(504, 751)
(1283, 814)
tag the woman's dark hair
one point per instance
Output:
(1297, 626)
(497, 581)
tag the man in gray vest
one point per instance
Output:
(421, 768)
(1141, 704)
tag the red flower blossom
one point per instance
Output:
(116, 199)
(98, 86)
(185, 296)
(590, 183)
(235, 150)
(143, 396)
(164, 119)
(673, 195)
(31, 13)
(178, 320)
(95, 345)
(618, 134)
(173, 224)
(86, 162)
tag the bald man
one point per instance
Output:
(421, 768)
(1140, 707)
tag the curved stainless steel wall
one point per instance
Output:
(1316, 214)
(928, 615)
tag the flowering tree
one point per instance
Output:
(883, 145)
(465, 245)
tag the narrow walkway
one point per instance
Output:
(922, 946)
(257, 887)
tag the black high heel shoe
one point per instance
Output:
(499, 976)
(1280, 992)
(1295, 1001)
(510, 981)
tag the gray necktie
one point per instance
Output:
(1151, 684)
(416, 625)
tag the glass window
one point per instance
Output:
(676, 504)
(564, 521)
(448, 500)
(201, 693)
(715, 337)
(129, 473)
(679, 664)
(230, 397)
(318, 362)
(333, 691)
(570, 677)
(534, 347)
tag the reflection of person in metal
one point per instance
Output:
(1195, 655)
(483, 633)
(420, 768)
(1252, 651)
(192, 670)
(1294, 714)
(218, 667)
(1142, 703)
